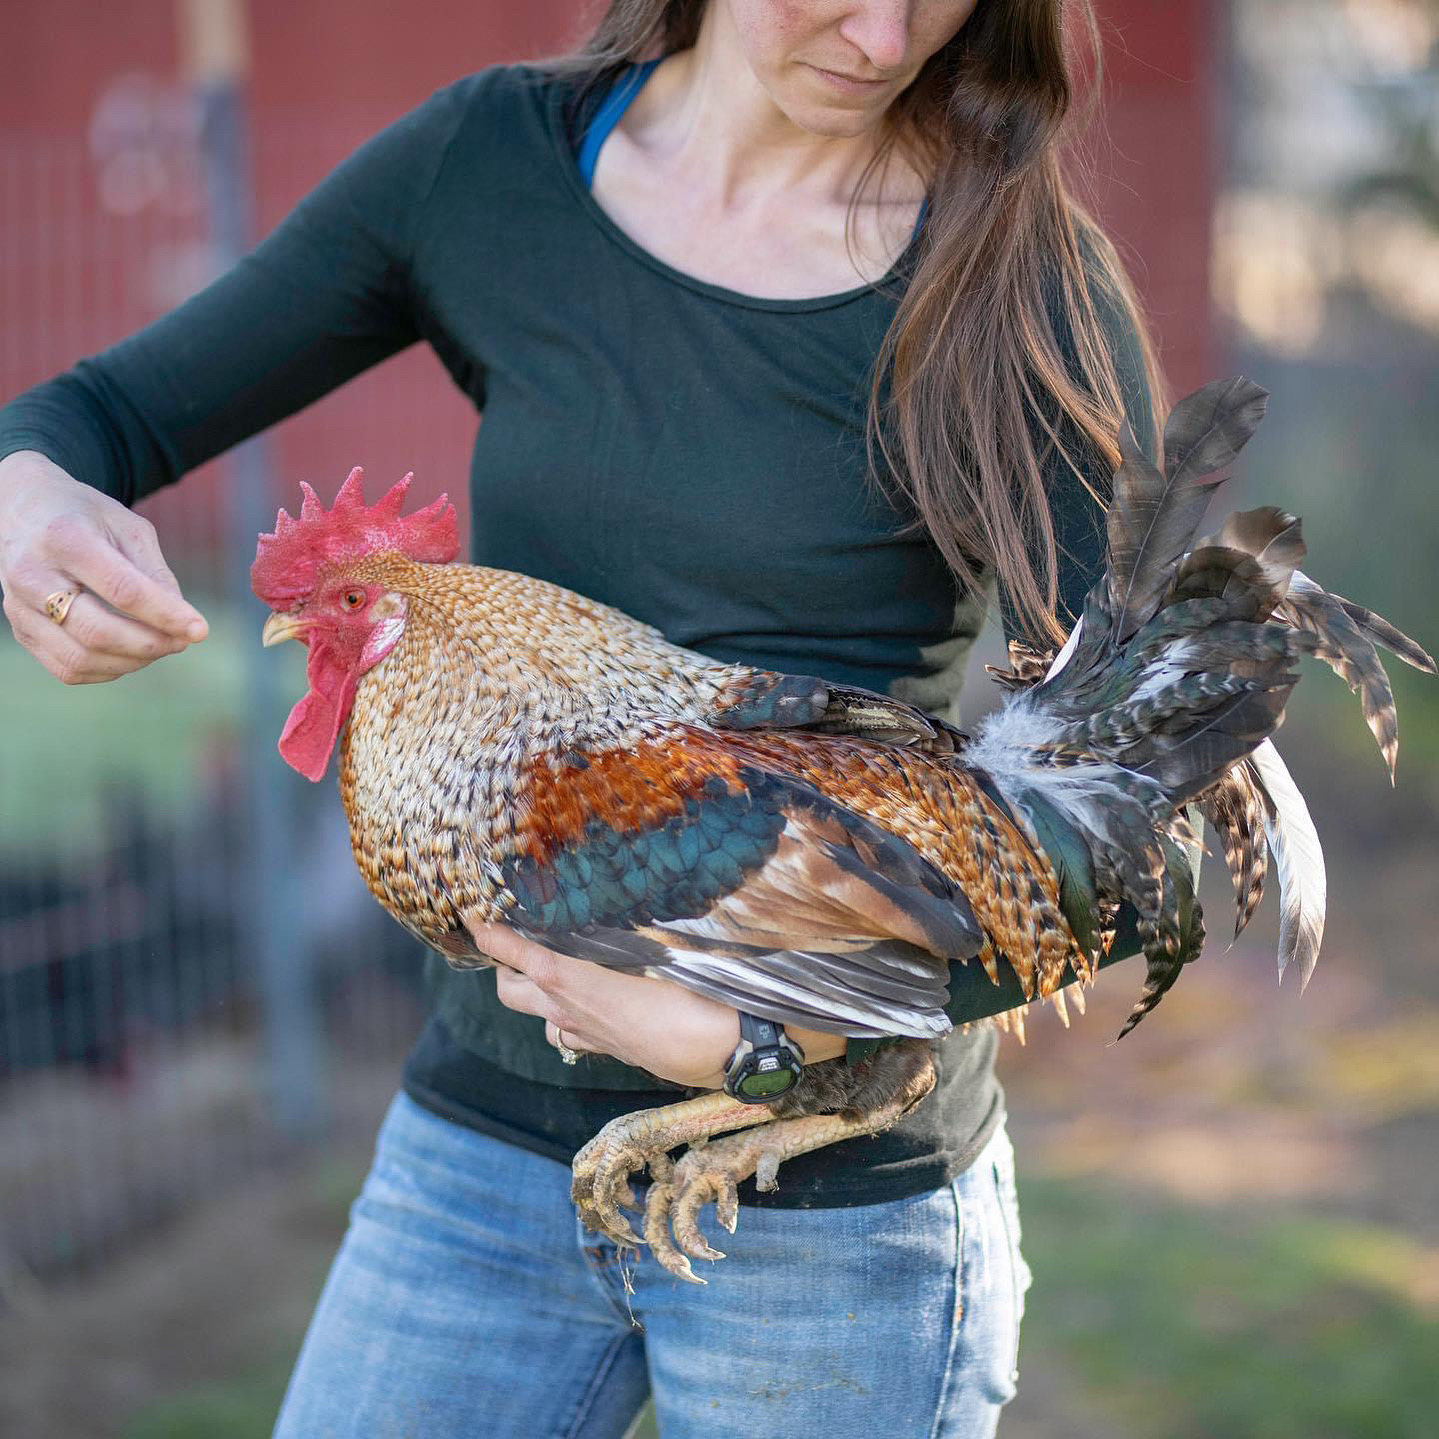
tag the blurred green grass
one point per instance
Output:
(63, 747)
(244, 1408)
(1184, 1323)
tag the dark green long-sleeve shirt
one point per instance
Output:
(692, 455)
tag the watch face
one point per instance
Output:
(767, 1083)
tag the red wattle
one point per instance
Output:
(315, 723)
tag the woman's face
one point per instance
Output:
(834, 66)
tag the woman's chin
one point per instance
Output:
(823, 105)
(834, 121)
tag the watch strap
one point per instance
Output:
(762, 1061)
(761, 1033)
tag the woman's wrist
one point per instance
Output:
(653, 1024)
(23, 468)
(817, 1044)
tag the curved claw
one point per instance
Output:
(610, 1185)
(657, 1234)
(631, 1141)
(601, 1187)
(691, 1198)
(601, 1184)
(605, 1219)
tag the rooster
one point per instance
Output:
(814, 853)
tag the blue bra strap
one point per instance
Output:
(608, 116)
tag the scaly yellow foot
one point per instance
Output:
(714, 1170)
(632, 1141)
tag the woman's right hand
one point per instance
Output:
(58, 534)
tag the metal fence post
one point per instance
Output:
(270, 905)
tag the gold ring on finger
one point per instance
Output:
(57, 606)
(570, 1056)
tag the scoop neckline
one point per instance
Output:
(568, 163)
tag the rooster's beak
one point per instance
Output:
(279, 628)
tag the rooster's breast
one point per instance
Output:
(423, 775)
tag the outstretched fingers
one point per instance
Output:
(122, 618)
(65, 650)
(125, 569)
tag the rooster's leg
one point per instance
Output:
(713, 1171)
(628, 1143)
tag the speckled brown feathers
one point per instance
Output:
(496, 680)
(513, 715)
(944, 813)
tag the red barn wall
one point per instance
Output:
(325, 74)
(1160, 146)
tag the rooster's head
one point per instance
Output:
(311, 572)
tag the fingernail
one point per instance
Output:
(196, 630)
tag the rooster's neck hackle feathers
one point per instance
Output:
(495, 674)
(538, 644)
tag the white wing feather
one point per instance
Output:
(1299, 860)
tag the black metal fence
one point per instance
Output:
(193, 982)
(139, 1069)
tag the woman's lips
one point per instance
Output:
(847, 84)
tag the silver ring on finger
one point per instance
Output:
(568, 1055)
(57, 605)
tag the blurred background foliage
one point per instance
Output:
(1233, 1217)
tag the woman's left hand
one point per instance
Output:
(650, 1023)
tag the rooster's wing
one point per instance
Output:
(786, 857)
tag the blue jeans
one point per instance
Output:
(467, 1300)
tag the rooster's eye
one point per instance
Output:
(353, 599)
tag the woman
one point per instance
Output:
(684, 295)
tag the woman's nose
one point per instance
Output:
(880, 30)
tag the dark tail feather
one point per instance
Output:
(1152, 520)
(1207, 429)
(1234, 811)
(1381, 632)
(1175, 940)
(1168, 690)
(1346, 648)
(1153, 515)
(1273, 538)
(1344, 633)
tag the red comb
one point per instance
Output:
(288, 562)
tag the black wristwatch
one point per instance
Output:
(765, 1064)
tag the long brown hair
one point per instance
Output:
(974, 386)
